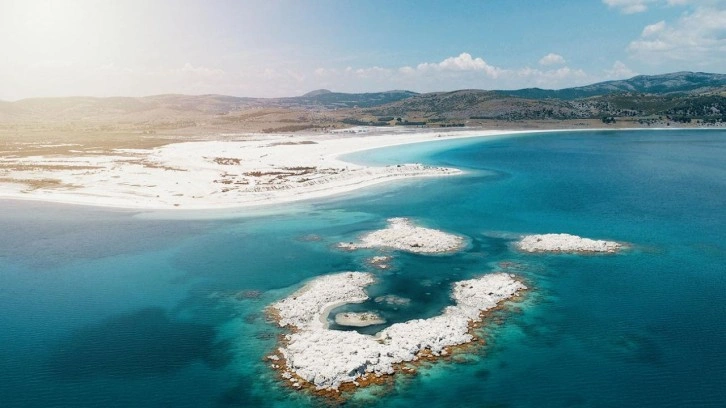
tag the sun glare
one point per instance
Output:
(47, 31)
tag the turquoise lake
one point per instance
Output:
(109, 308)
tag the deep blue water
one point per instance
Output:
(116, 309)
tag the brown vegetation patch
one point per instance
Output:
(301, 169)
(227, 161)
(44, 167)
(36, 184)
(289, 128)
(302, 142)
(151, 165)
(258, 173)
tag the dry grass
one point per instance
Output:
(289, 128)
(151, 165)
(302, 142)
(36, 184)
(43, 167)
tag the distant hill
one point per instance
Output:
(477, 104)
(175, 104)
(678, 82)
(92, 109)
(682, 96)
(316, 92)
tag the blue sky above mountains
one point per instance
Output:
(289, 47)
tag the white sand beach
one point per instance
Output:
(249, 170)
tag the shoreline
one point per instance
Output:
(254, 173)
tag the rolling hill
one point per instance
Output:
(680, 96)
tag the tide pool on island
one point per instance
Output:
(111, 308)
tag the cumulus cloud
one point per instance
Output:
(456, 72)
(372, 72)
(552, 59)
(552, 78)
(697, 37)
(639, 6)
(462, 62)
(629, 6)
(619, 71)
(653, 29)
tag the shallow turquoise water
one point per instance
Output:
(110, 308)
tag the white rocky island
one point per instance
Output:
(313, 356)
(563, 243)
(402, 235)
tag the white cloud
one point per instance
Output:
(629, 6)
(697, 37)
(639, 6)
(463, 62)
(619, 71)
(653, 29)
(552, 59)
(406, 70)
(372, 72)
(456, 72)
(461, 71)
(553, 78)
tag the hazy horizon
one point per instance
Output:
(288, 48)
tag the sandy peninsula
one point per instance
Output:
(313, 356)
(244, 170)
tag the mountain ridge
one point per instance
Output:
(682, 95)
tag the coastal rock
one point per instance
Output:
(566, 243)
(380, 262)
(361, 319)
(328, 358)
(401, 234)
(306, 307)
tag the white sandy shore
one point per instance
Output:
(566, 243)
(326, 359)
(254, 170)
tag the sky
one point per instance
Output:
(279, 48)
